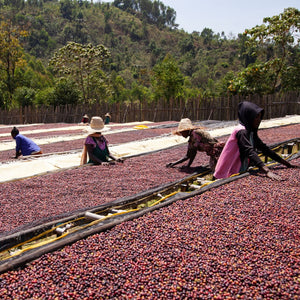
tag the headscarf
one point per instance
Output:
(247, 112)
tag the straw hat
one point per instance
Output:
(107, 115)
(184, 125)
(96, 125)
(86, 116)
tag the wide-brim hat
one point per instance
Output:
(86, 116)
(96, 125)
(107, 115)
(184, 125)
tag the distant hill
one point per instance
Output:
(139, 35)
(136, 39)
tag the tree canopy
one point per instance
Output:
(153, 12)
(82, 63)
(11, 57)
(277, 40)
(132, 50)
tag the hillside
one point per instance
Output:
(133, 43)
(140, 36)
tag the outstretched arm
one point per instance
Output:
(191, 154)
(267, 151)
(170, 165)
(114, 158)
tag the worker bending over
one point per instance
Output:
(199, 140)
(240, 150)
(24, 145)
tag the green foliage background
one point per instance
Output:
(142, 41)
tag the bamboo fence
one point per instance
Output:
(223, 109)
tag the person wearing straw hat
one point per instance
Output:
(107, 118)
(96, 145)
(199, 140)
(85, 120)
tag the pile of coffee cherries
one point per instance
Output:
(240, 240)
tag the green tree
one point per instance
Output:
(187, 45)
(118, 87)
(155, 12)
(66, 8)
(278, 33)
(24, 96)
(247, 55)
(81, 63)
(100, 88)
(40, 42)
(208, 35)
(140, 93)
(44, 97)
(255, 79)
(167, 80)
(33, 74)
(11, 57)
(65, 92)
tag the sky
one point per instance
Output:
(231, 17)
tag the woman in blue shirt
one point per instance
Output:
(24, 145)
